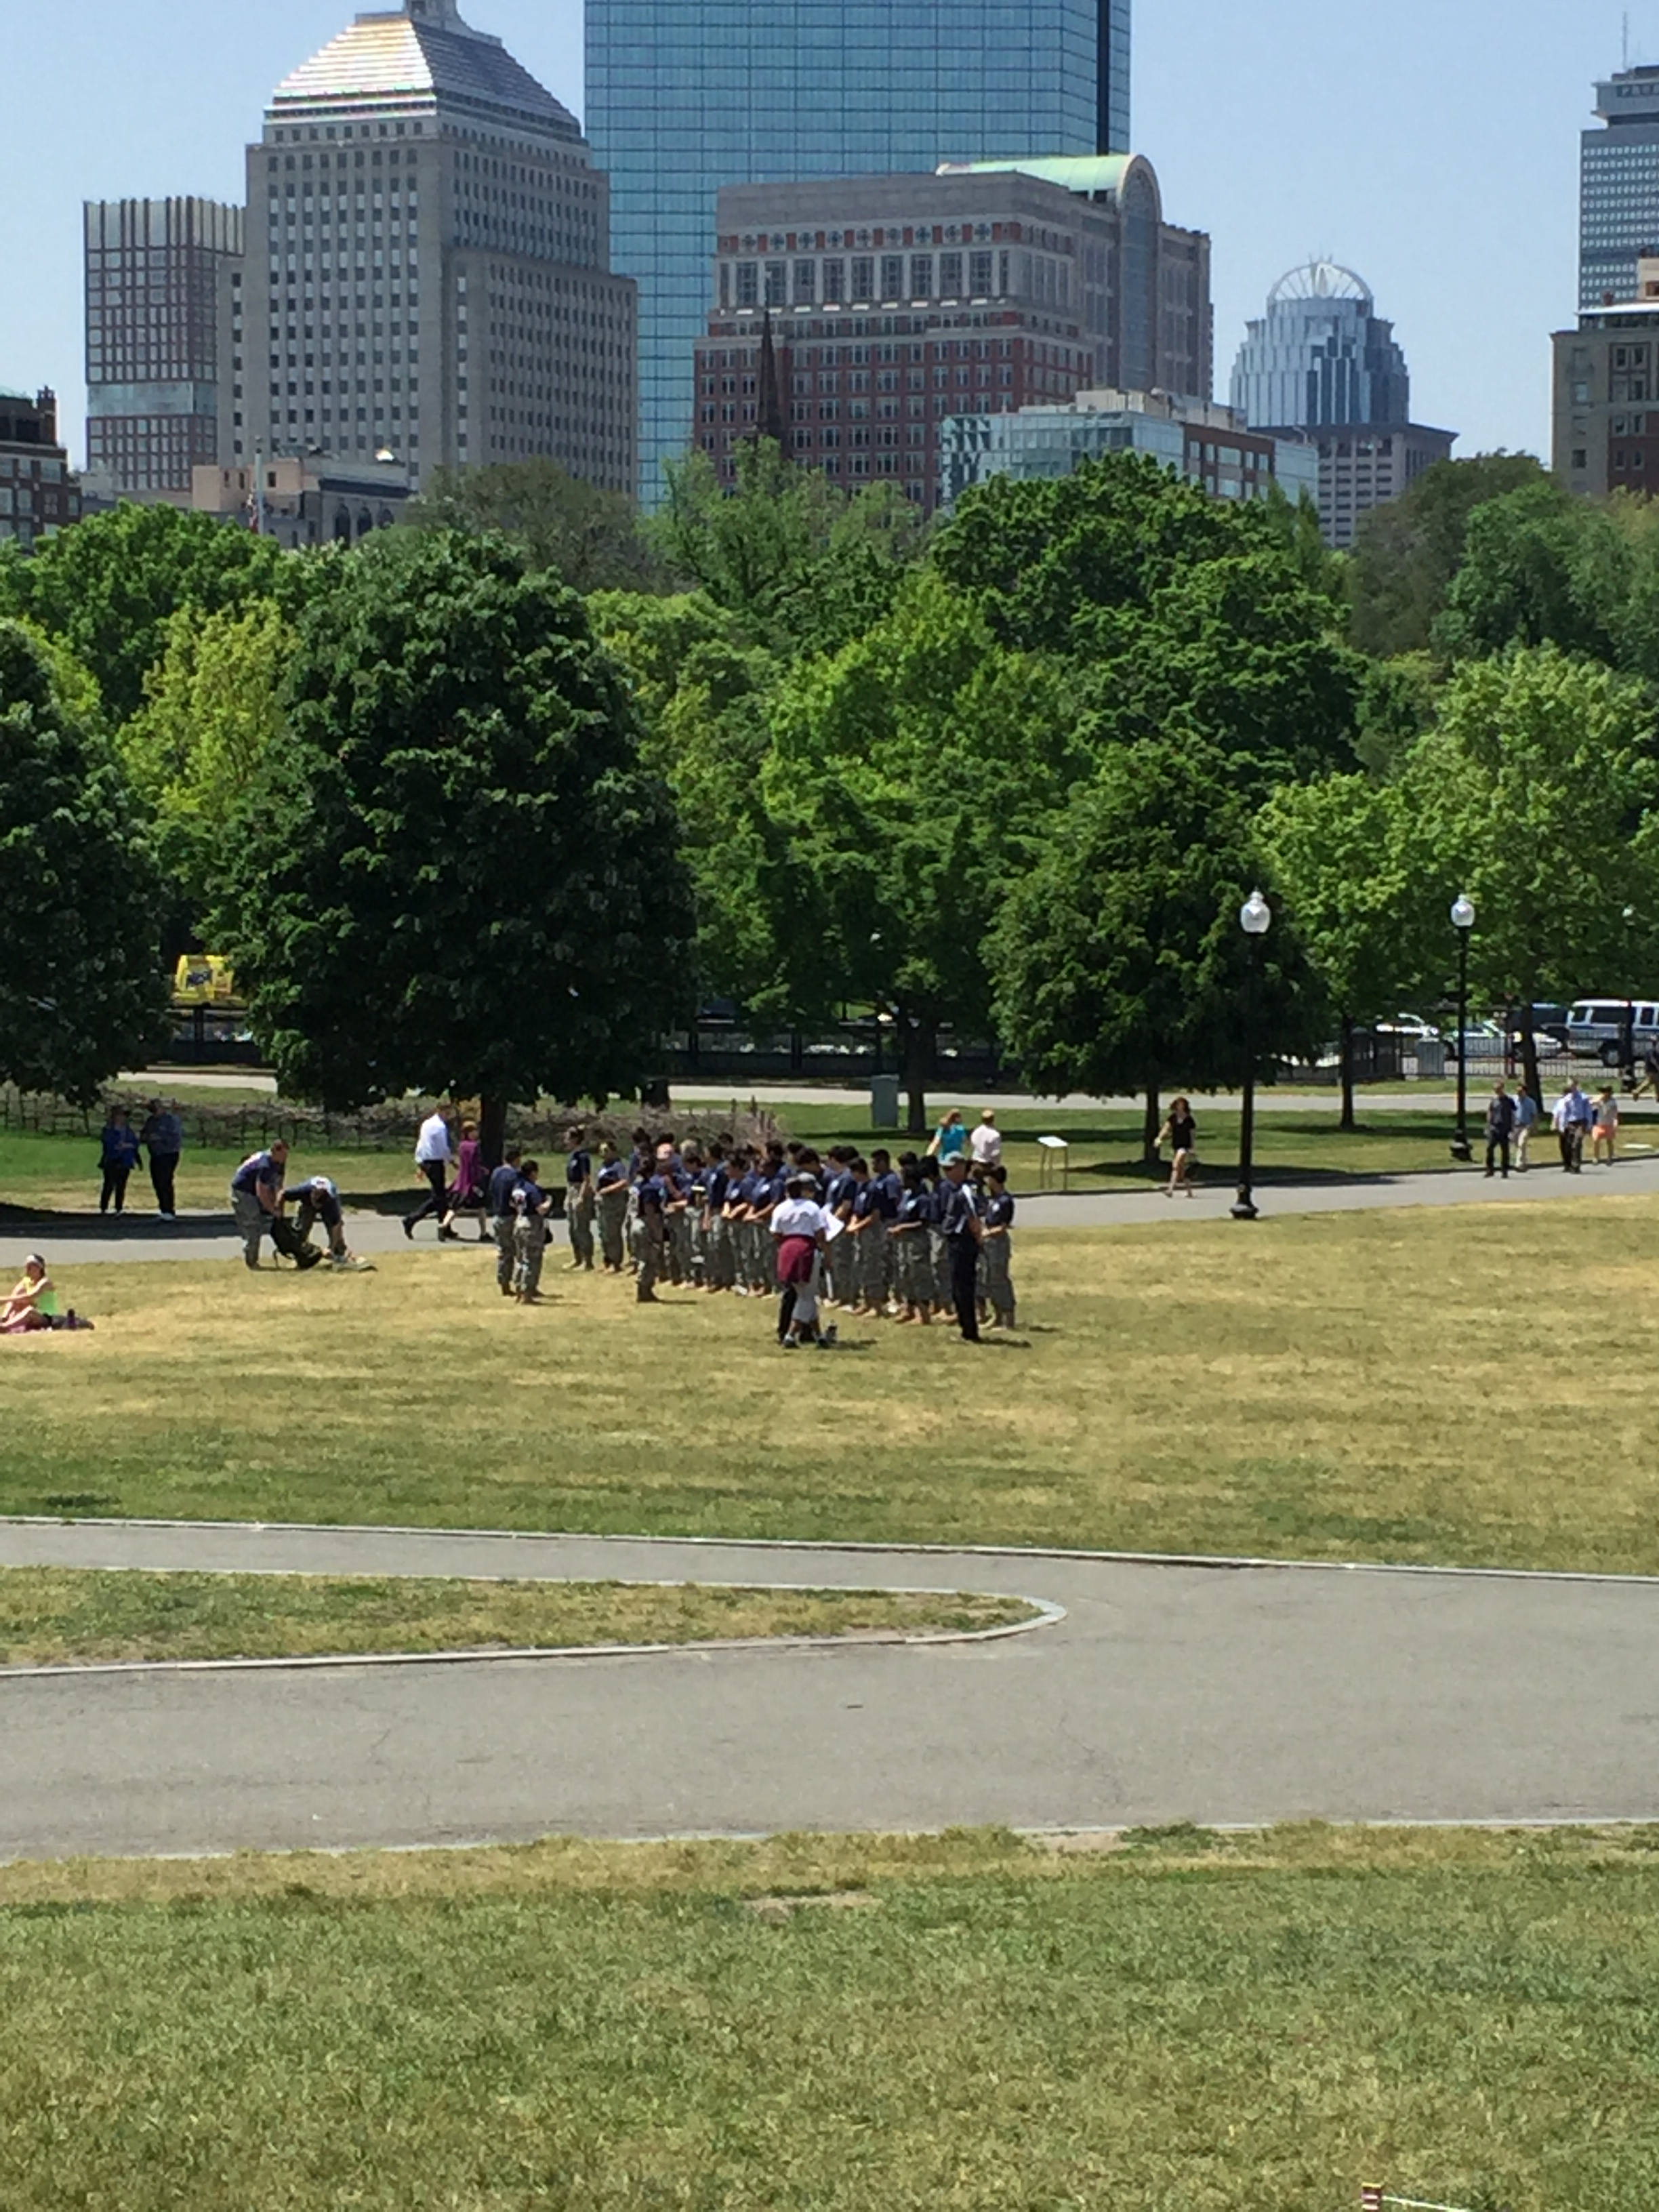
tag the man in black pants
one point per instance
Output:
(959, 1221)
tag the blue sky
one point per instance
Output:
(1432, 144)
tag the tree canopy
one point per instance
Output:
(588, 536)
(456, 873)
(81, 989)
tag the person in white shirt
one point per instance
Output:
(1569, 1120)
(985, 1145)
(800, 1234)
(433, 1151)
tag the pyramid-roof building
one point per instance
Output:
(420, 56)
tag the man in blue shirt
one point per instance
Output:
(504, 1181)
(963, 1229)
(580, 1203)
(610, 1196)
(317, 1199)
(256, 1198)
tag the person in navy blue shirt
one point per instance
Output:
(499, 1199)
(611, 1192)
(118, 1157)
(531, 1208)
(996, 1250)
(912, 1264)
(961, 1230)
(580, 1201)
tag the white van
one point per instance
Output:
(1596, 1028)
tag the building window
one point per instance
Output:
(864, 277)
(893, 276)
(980, 279)
(748, 284)
(807, 283)
(777, 283)
(921, 277)
(834, 279)
(950, 274)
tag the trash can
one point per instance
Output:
(883, 1102)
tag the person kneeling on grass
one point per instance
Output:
(318, 1200)
(800, 1232)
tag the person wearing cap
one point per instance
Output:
(317, 1199)
(985, 1145)
(800, 1234)
(162, 1137)
(256, 1198)
(963, 1232)
(33, 1304)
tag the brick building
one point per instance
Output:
(37, 494)
(1605, 415)
(877, 309)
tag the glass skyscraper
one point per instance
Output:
(1618, 191)
(686, 95)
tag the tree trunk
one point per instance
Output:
(1530, 1078)
(492, 1131)
(1347, 1120)
(1151, 1122)
(916, 1047)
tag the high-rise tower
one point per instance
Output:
(685, 97)
(428, 264)
(1619, 187)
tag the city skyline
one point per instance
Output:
(1453, 189)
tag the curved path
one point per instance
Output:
(1169, 1691)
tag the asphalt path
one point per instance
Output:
(91, 1239)
(1168, 1691)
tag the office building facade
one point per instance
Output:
(687, 96)
(875, 308)
(39, 495)
(159, 277)
(429, 274)
(1605, 419)
(1207, 444)
(1619, 187)
(1322, 362)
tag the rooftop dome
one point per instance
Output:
(1321, 280)
(423, 52)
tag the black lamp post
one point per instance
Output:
(1462, 915)
(1255, 919)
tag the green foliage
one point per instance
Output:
(1539, 567)
(81, 989)
(209, 719)
(1535, 795)
(1408, 551)
(1395, 704)
(805, 565)
(588, 536)
(1120, 963)
(456, 873)
(109, 587)
(1186, 619)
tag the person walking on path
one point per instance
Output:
(1570, 1119)
(118, 1157)
(471, 1195)
(997, 1250)
(256, 1198)
(162, 1137)
(1604, 1126)
(985, 1146)
(1525, 1121)
(1180, 1131)
(579, 1202)
(433, 1153)
(962, 1231)
(1500, 1126)
(950, 1139)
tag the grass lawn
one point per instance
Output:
(1465, 1385)
(56, 1616)
(1188, 2023)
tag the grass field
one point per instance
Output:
(1188, 2024)
(1459, 1386)
(55, 1616)
(60, 1174)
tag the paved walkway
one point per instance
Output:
(90, 1239)
(1168, 1692)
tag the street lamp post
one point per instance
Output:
(1255, 919)
(1462, 915)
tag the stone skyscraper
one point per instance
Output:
(686, 96)
(429, 264)
(1619, 187)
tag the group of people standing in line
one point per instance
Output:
(1576, 1119)
(915, 1239)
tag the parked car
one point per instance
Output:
(1485, 1039)
(1549, 1026)
(1596, 1029)
(1410, 1025)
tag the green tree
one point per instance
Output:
(109, 587)
(81, 993)
(1118, 960)
(588, 536)
(1343, 852)
(210, 719)
(1539, 567)
(1180, 616)
(805, 565)
(1536, 795)
(1408, 550)
(456, 873)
